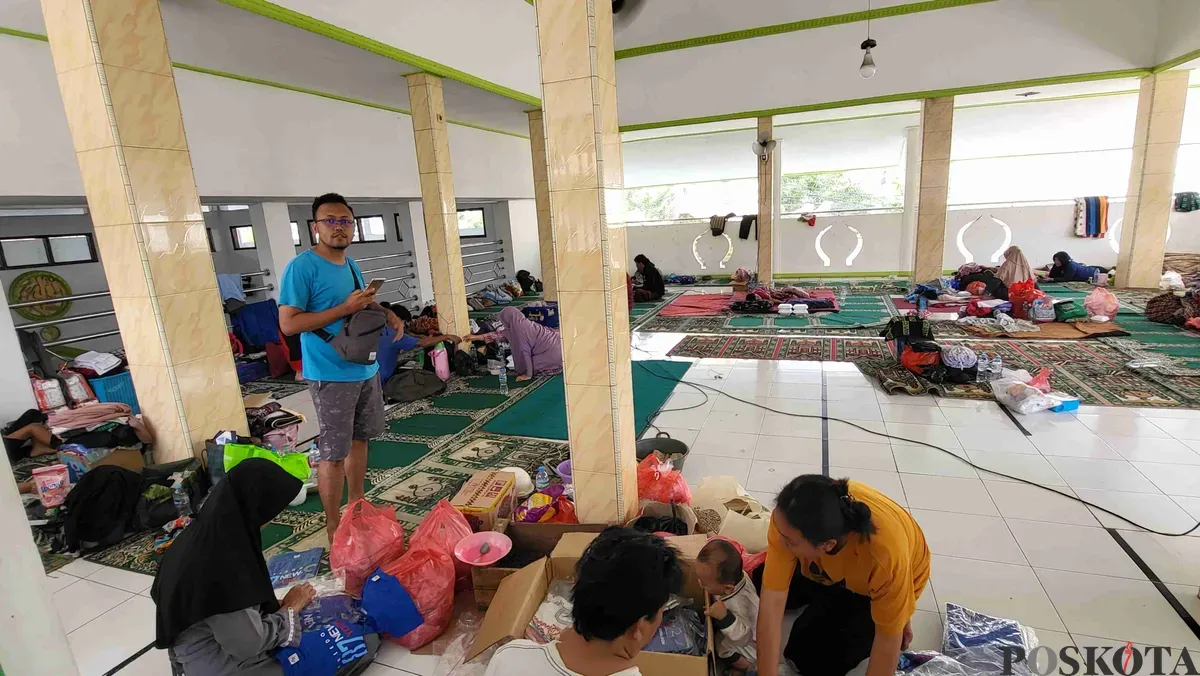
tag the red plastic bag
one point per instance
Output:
(76, 386)
(917, 361)
(428, 575)
(1022, 295)
(1042, 380)
(658, 481)
(973, 309)
(366, 537)
(441, 529)
(564, 511)
(977, 288)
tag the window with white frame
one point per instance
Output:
(371, 229)
(243, 237)
(471, 223)
(295, 233)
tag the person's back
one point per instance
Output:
(608, 630)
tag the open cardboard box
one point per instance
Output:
(538, 537)
(520, 594)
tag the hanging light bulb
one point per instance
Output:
(867, 69)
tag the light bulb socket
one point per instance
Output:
(869, 43)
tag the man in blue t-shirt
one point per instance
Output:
(319, 288)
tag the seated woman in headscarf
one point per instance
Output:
(1015, 267)
(647, 281)
(536, 350)
(216, 610)
(1067, 270)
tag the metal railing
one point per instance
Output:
(484, 263)
(60, 299)
(256, 289)
(384, 256)
(491, 252)
(77, 339)
(256, 273)
(390, 267)
(479, 244)
(489, 280)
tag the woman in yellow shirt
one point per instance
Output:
(863, 562)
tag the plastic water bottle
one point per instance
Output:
(982, 368)
(314, 456)
(504, 372)
(541, 480)
(183, 504)
(997, 367)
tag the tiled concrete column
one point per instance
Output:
(541, 195)
(437, 202)
(766, 205)
(273, 240)
(937, 123)
(1151, 178)
(118, 89)
(583, 147)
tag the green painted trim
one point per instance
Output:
(279, 85)
(1181, 59)
(842, 274)
(23, 34)
(1049, 99)
(807, 24)
(892, 98)
(308, 23)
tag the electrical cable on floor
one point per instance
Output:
(702, 387)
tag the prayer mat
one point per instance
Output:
(894, 379)
(774, 348)
(1057, 331)
(276, 387)
(697, 305)
(543, 414)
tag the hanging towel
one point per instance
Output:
(747, 222)
(717, 224)
(1091, 217)
(230, 286)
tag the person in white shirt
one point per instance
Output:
(623, 582)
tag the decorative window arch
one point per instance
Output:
(853, 254)
(968, 257)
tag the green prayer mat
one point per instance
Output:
(542, 414)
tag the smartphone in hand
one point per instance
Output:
(375, 284)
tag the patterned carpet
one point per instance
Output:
(277, 387)
(803, 349)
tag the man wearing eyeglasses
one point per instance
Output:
(319, 288)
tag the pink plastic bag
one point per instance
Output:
(428, 575)
(1101, 302)
(441, 529)
(366, 537)
(658, 481)
(749, 561)
(1042, 380)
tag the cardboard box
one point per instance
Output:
(538, 537)
(486, 498)
(521, 593)
(77, 465)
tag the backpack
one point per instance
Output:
(412, 385)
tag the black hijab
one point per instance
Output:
(216, 564)
(1061, 259)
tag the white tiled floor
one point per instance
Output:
(1000, 546)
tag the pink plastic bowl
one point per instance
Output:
(564, 471)
(467, 549)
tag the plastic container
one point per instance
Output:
(116, 389)
(564, 471)
(667, 449)
(470, 550)
(541, 480)
(441, 363)
(52, 484)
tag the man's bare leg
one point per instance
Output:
(331, 476)
(40, 434)
(356, 470)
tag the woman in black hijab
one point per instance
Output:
(216, 610)
(648, 282)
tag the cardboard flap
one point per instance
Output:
(515, 602)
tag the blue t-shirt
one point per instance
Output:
(390, 349)
(312, 284)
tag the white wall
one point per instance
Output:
(523, 233)
(248, 139)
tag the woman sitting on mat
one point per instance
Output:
(1016, 267)
(1067, 270)
(216, 610)
(857, 560)
(648, 281)
(536, 350)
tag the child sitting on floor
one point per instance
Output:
(734, 611)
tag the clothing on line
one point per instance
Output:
(230, 286)
(257, 323)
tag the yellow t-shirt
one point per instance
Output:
(891, 567)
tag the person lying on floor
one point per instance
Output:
(648, 281)
(28, 437)
(392, 344)
(623, 581)
(858, 561)
(536, 350)
(216, 612)
(1067, 270)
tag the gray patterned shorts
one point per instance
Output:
(345, 412)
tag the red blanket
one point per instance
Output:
(697, 305)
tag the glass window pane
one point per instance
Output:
(470, 223)
(243, 237)
(70, 249)
(295, 233)
(1045, 177)
(24, 251)
(372, 228)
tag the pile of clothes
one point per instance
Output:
(913, 345)
(682, 280)
(495, 294)
(789, 294)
